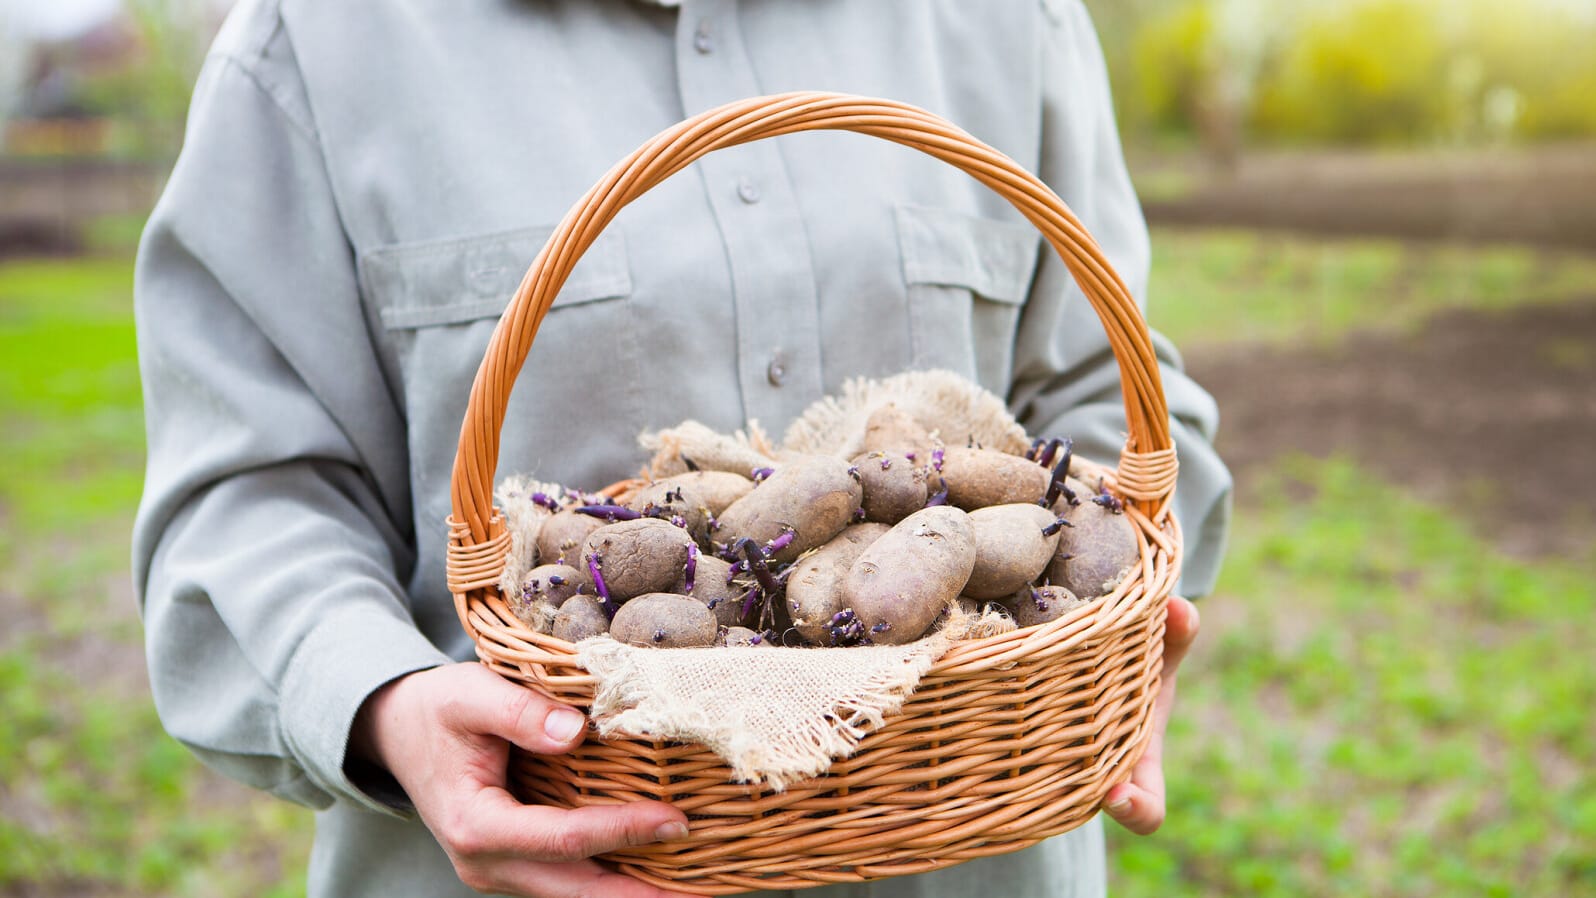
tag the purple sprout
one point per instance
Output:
(691, 465)
(1109, 501)
(556, 580)
(853, 471)
(1054, 527)
(858, 514)
(936, 460)
(593, 567)
(678, 521)
(1036, 447)
(611, 513)
(1036, 599)
(909, 455)
(692, 566)
(886, 462)
(1045, 459)
(760, 474)
(940, 497)
(1057, 486)
(544, 500)
(782, 541)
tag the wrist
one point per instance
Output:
(376, 716)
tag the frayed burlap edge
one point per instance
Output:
(775, 715)
(674, 447)
(956, 409)
(523, 517)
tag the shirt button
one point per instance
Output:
(777, 372)
(703, 41)
(748, 191)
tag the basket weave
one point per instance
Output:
(1008, 739)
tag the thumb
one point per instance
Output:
(482, 702)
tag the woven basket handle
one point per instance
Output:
(1147, 465)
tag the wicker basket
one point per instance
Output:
(1008, 740)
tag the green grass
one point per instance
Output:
(94, 796)
(1382, 705)
(1212, 287)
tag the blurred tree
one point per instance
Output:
(151, 97)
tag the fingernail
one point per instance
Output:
(1119, 807)
(563, 724)
(670, 832)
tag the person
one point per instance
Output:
(360, 190)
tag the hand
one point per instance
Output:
(1139, 804)
(445, 735)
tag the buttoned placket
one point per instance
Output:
(761, 227)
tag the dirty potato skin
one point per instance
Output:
(665, 620)
(902, 581)
(814, 495)
(552, 583)
(893, 487)
(717, 490)
(1030, 607)
(1094, 551)
(665, 500)
(741, 637)
(891, 429)
(977, 478)
(560, 537)
(814, 588)
(579, 618)
(1012, 548)
(710, 588)
(637, 557)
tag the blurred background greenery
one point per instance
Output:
(1374, 227)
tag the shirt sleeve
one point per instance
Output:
(1066, 381)
(268, 549)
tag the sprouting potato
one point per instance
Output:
(902, 581)
(893, 487)
(665, 620)
(742, 637)
(561, 534)
(579, 618)
(636, 557)
(1096, 550)
(712, 585)
(717, 490)
(977, 478)
(1013, 545)
(678, 504)
(1040, 605)
(813, 497)
(814, 588)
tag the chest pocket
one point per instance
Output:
(436, 304)
(967, 280)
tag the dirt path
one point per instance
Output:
(1492, 414)
(1543, 195)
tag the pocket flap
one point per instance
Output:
(462, 279)
(942, 246)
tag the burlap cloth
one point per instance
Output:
(775, 715)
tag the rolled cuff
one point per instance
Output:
(341, 662)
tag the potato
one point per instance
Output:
(552, 583)
(579, 618)
(891, 429)
(711, 588)
(814, 495)
(814, 587)
(665, 620)
(561, 534)
(1095, 550)
(1012, 548)
(977, 478)
(893, 487)
(742, 637)
(716, 489)
(671, 502)
(902, 581)
(640, 556)
(1030, 607)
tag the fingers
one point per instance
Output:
(1138, 809)
(493, 825)
(1180, 631)
(482, 702)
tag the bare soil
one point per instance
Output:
(1490, 414)
(1542, 195)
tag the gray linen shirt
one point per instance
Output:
(361, 188)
